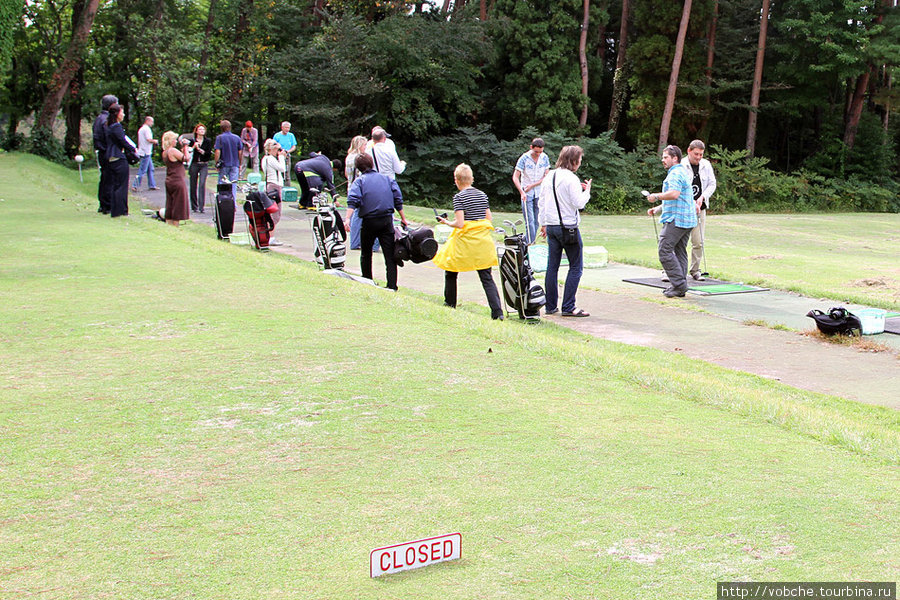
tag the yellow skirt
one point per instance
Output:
(468, 249)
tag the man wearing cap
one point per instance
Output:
(103, 192)
(288, 143)
(531, 168)
(384, 154)
(250, 139)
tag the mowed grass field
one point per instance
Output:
(181, 418)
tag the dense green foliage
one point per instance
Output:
(335, 68)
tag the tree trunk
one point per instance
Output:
(673, 78)
(619, 82)
(61, 79)
(710, 60)
(856, 106)
(72, 107)
(582, 58)
(446, 7)
(757, 78)
(887, 103)
(204, 51)
(240, 43)
(483, 13)
(155, 74)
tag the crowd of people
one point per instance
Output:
(552, 199)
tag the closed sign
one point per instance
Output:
(412, 555)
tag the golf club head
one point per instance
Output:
(518, 222)
(645, 193)
(499, 230)
(507, 223)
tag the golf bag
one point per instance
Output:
(837, 320)
(416, 245)
(329, 236)
(224, 210)
(259, 209)
(520, 289)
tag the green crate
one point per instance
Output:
(289, 194)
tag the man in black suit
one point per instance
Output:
(103, 193)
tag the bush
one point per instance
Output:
(42, 143)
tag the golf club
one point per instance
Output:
(646, 194)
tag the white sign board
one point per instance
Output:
(412, 555)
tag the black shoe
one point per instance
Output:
(673, 293)
(202, 211)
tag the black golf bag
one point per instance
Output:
(520, 289)
(224, 210)
(329, 236)
(416, 245)
(259, 209)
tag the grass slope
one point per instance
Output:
(183, 418)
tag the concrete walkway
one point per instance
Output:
(709, 328)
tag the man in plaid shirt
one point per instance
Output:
(679, 217)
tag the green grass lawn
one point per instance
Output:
(852, 257)
(182, 418)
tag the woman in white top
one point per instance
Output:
(562, 196)
(357, 147)
(274, 167)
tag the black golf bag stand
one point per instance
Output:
(520, 289)
(328, 232)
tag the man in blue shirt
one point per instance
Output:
(531, 168)
(679, 217)
(288, 143)
(375, 196)
(229, 150)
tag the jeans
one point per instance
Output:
(487, 283)
(198, 173)
(673, 254)
(530, 212)
(383, 229)
(146, 166)
(355, 239)
(230, 173)
(551, 284)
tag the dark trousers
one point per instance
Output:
(198, 173)
(487, 282)
(381, 228)
(673, 254)
(118, 187)
(103, 188)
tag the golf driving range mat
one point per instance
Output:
(710, 287)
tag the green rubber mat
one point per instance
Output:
(726, 288)
(891, 314)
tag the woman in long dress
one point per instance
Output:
(177, 207)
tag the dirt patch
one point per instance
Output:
(632, 550)
(765, 257)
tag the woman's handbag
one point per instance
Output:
(569, 234)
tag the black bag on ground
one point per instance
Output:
(837, 320)
(330, 237)
(416, 245)
(224, 215)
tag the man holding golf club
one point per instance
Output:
(703, 185)
(679, 217)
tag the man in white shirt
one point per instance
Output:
(145, 152)
(531, 168)
(384, 154)
(703, 182)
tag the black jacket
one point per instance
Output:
(119, 147)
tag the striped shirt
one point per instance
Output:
(473, 202)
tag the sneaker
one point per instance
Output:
(664, 277)
(551, 311)
(275, 243)
(673, 293)
(154, 188)
(698, 277)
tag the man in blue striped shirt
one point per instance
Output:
(679, 217)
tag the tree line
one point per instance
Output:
(806, 84)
